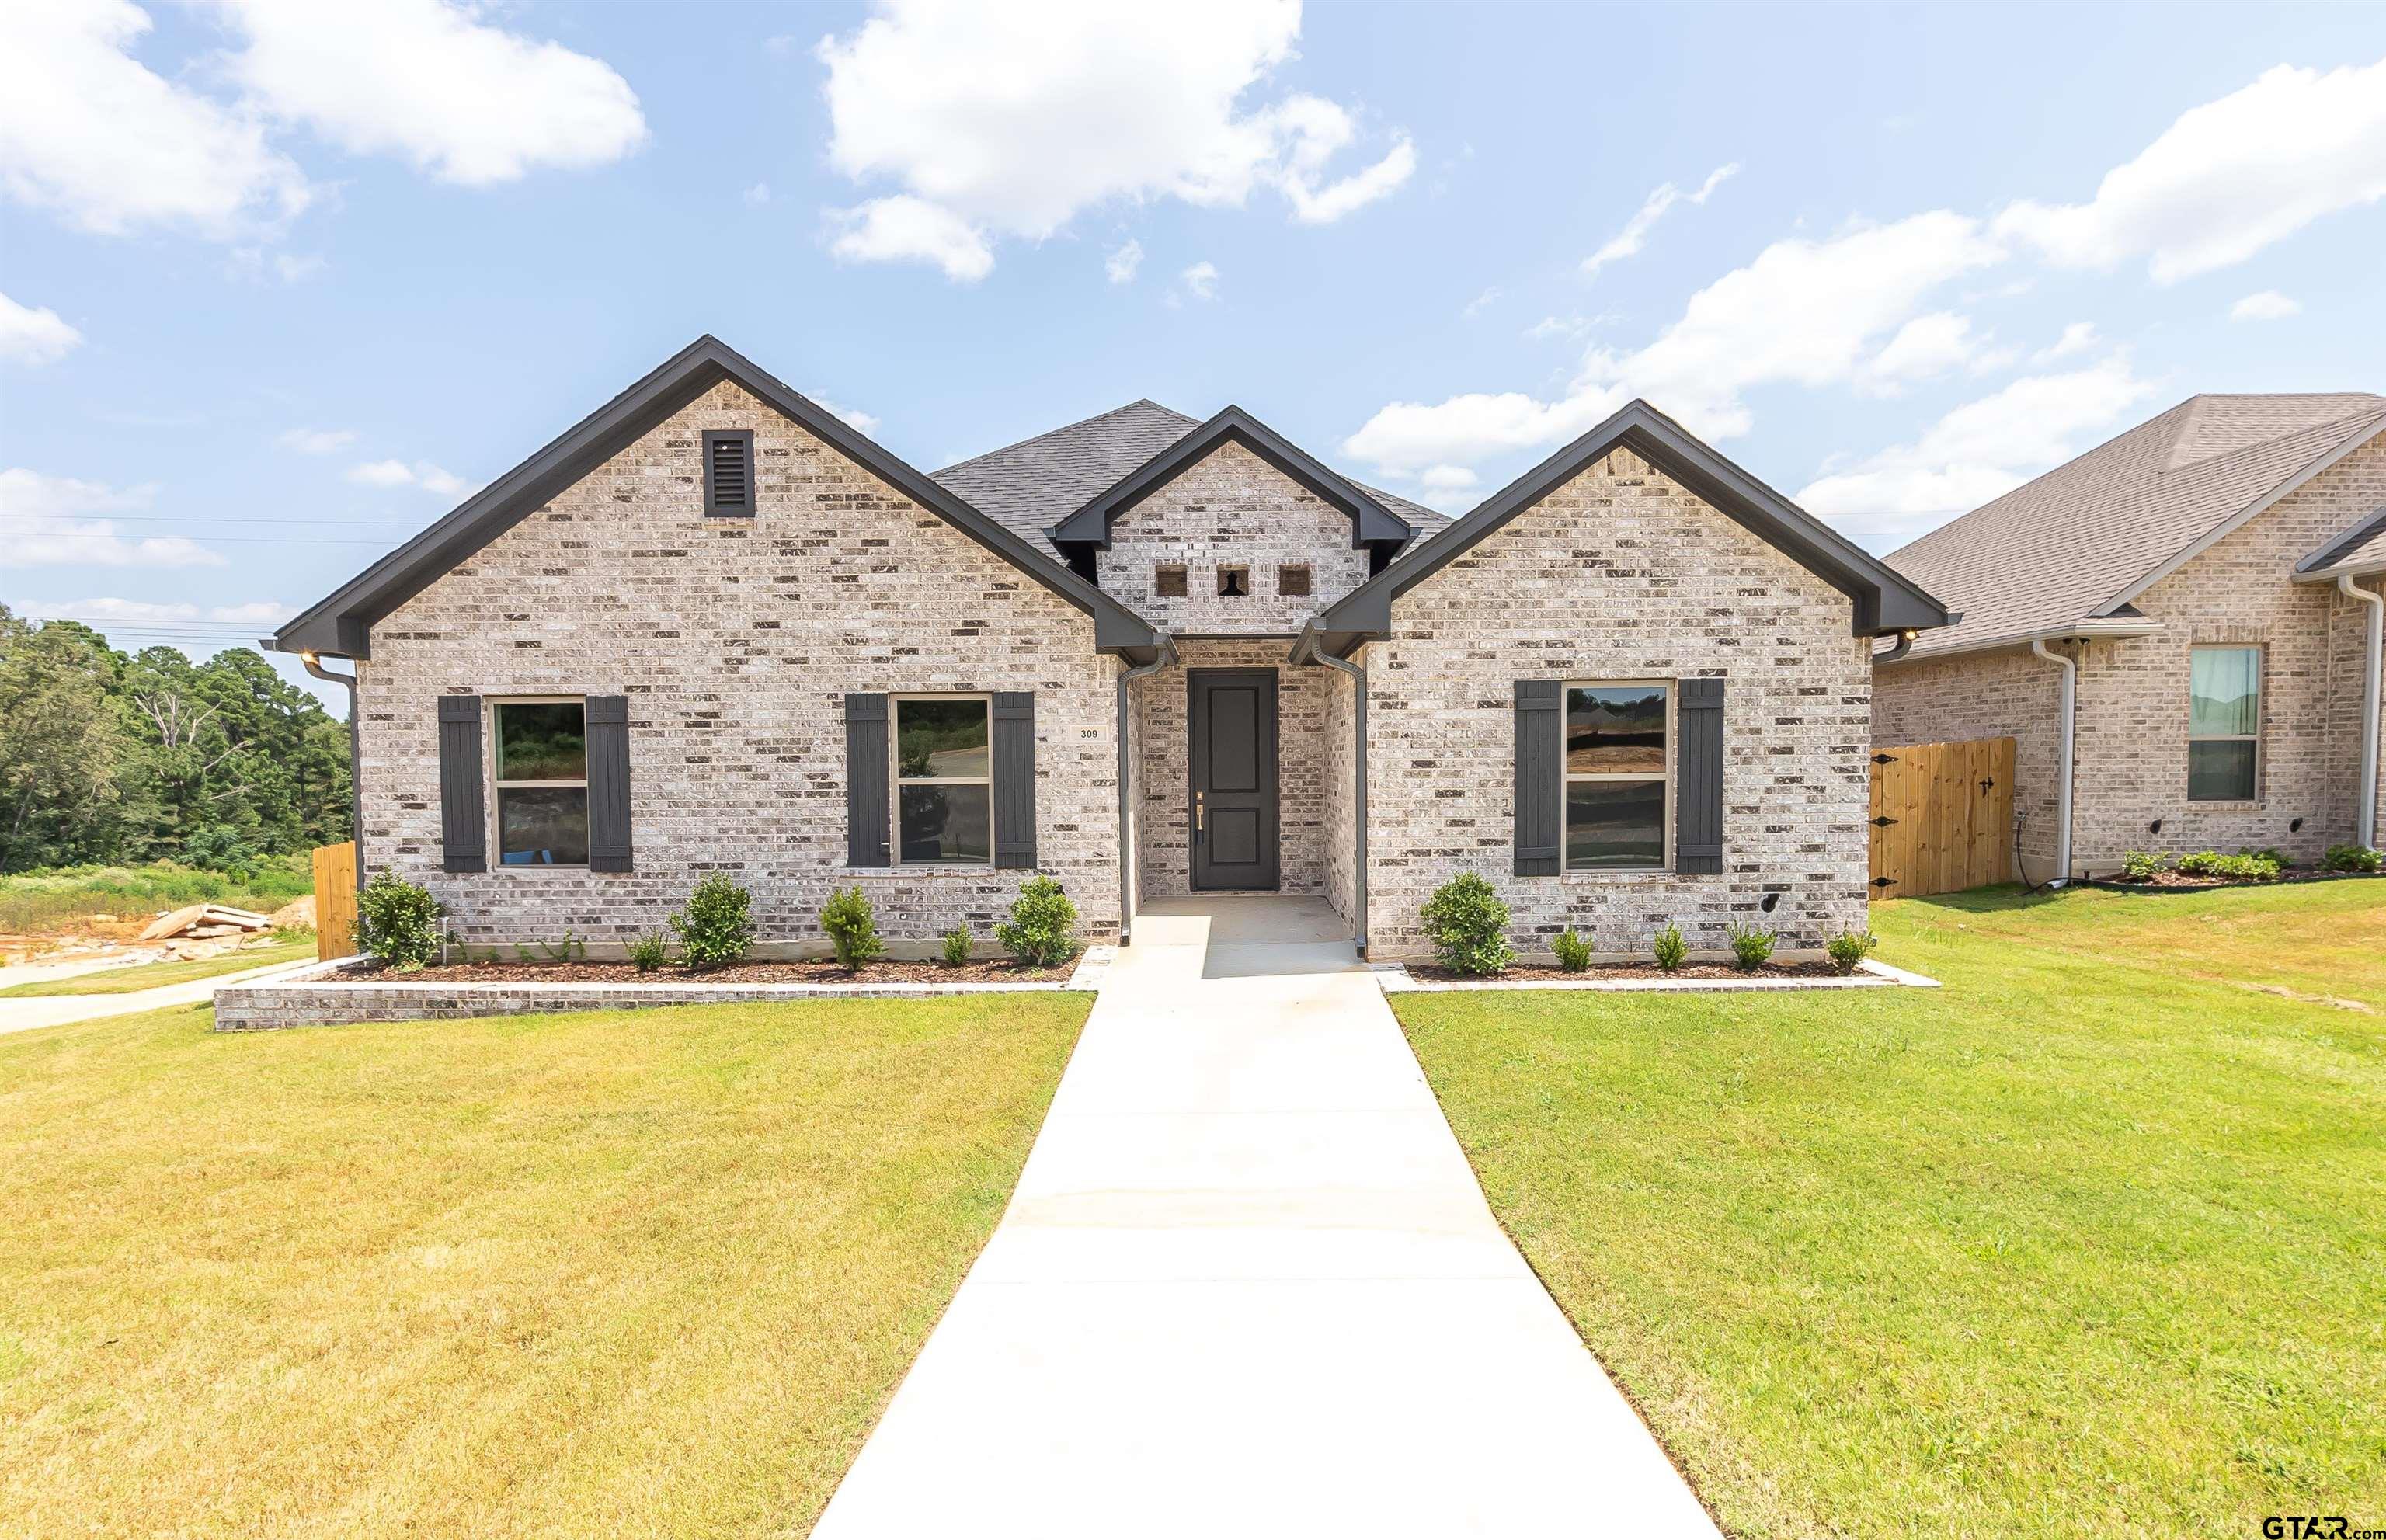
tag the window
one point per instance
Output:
(540, 751)
(1169, 581)
(2224, 723)
(944, 781)
(1233, 583)
(1617, 746)
(1292, 580)
(729, 475)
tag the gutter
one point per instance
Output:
(2069, 709)
(2365, 816)
(1305, 645)
(356, 760)
(1904, 644)
(1128, 876)
(2075, 631)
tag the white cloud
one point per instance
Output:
(1202, 279)
(1928, 347)
(860, 421)
(1119, 264)
(1629, 240)
(1981, 450)
(757, 196)
(2078, 337)
(429, 81)
(29, 336)
(48, 522)
(1447, 478)
(1009, 120)
(1563, 326)
(89, 133)
(2269, 304)
(2228, 178)
(421, 473)
(1481, 302)
(1803, 312)
(316, 441)
(904, 229)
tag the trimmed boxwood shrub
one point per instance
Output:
(717, 927)
(1468, 925)
(1042, 929)
(398, 921)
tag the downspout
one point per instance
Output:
(2365, 817)
(1127, 874)
(1359, 770)
(2064, 757)
(1904, 644)
(356, 762)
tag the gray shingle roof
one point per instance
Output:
(2082, 539)
(1031, 485)
(2361, 549)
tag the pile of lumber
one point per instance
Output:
(203, 922)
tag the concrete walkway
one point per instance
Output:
(53, 1010)
(1249, 1287)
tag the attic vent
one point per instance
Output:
(729, 474)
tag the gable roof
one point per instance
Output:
(341, 623)
(2089, 537)
(2359, 552)
(1370, 520)
(1884, 601)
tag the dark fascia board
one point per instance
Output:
(2336, 549)
(1885, 601)
(342, 624)
(1370, 520)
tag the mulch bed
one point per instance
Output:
(1431, 972)
(2174, 879)
(1000, 971)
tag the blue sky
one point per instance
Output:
(285, 281)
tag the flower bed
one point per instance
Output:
(822, 970)
(1691, 978)
(1521, 972)
(2173, 882)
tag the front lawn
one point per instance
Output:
(157, 975)
(649, 1273)
(2090, 1241)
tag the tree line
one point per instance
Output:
(115, 757)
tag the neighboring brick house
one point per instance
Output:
(2210, 582)
(713, 628)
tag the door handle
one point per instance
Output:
(1196, 812)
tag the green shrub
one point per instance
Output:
(958, 942)
(398, 923)
(1574, 953)
(1849, 948)
(852, 928)
(2272, 854)
(2142, 866)
(2350, 857)
(2233, 869)
(1042, 929)
(1468, 925)
(649, 952)
(717, 927)
(1750, 947)
(1670, 949)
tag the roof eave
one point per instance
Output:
(2087, 629)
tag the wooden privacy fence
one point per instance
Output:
(1942, 816)
(335, 901)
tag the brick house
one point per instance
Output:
(714, 628)
(2206, 587)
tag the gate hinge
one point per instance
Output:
(1884, 882)
(1884, 759)
(1883, 821)
(1989, 785)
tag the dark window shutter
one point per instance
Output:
(865, 781)
(608, 783)
(463, 824)
(729, 474)
(1540, 778)
(1698, 777)
(1015, 781)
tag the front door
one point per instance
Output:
(1234, 831)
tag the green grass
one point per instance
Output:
(645, 1274)
(2090, 1241)
(34, 902)
(154, 975)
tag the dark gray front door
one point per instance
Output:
(1235, 830)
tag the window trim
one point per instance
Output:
(712, 508)
(1665, 777)
(497, 789)
(896, 780)
(2261, 707)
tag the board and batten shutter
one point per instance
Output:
(608, 783)
(1698, 777)
(865, 781)
(463, 821)
(1015, 781)
(1540, 777)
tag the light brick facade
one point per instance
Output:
(2131, 750)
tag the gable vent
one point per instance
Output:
(729, 474)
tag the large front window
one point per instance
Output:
(541, 755)
(2224, 723)
(944, 781)
(1617, 737)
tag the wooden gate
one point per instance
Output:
(1942, 816)
(335, 901)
